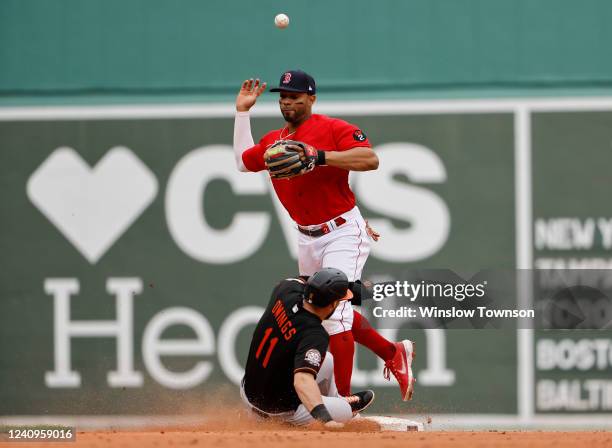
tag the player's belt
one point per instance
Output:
(324, 228)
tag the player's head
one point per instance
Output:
(326, 288)
(297, 93)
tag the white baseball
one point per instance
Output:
(281, 21)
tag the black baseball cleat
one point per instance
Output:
(359, 401)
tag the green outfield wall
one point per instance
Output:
(192, 48)
(136, 258)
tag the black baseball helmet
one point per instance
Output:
(326, 286)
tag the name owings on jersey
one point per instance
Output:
(283, 322)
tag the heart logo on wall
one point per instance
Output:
(92, 207)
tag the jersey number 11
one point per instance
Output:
(273, 343)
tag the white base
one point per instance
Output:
(396, 423)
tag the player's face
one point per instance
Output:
(295, 107)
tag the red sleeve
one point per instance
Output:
(253, 158)
(347, 136)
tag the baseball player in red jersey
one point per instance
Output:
(332, 231)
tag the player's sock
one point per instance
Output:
(342, 346)
(364, 334)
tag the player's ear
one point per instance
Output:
(312, 99)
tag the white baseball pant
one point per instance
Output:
(346, 248)
(338, 407)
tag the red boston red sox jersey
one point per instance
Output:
(323, 193)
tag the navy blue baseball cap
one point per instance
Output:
(296, 81)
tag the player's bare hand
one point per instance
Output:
(333, 425)
(249, 92)
(373, 233)
(329, 426)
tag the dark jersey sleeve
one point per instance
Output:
(311, 351)
(347, 136)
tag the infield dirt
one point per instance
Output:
(363, 437)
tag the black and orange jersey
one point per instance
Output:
(287, 339)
